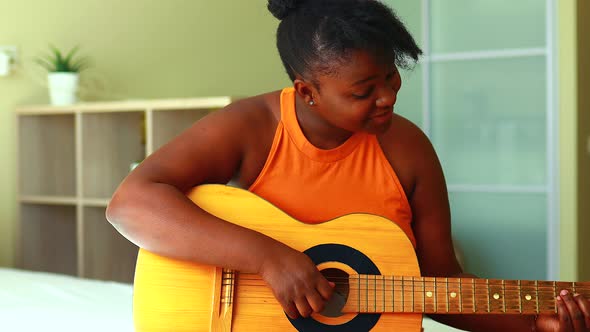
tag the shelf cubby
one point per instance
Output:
(71, 160)
(167, 124)
(111, 142)
(49, 238)
(47, 155)
(107, 254)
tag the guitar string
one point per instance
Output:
(466, 299)
(511, 308)
(507, 287)
(420, 289)
(243, 276)
(430, 300)
(450, 282)
(510, 304)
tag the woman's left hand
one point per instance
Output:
(573, 314)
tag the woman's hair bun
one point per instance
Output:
(281, 8)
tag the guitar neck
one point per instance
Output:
(380, 294)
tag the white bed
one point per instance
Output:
(38, 301)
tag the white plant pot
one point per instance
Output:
(63, 88)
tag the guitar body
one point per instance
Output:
(173, 295)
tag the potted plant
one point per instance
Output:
(63, 77)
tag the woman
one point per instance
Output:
(327, 146)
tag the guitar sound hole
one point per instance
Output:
(334, 306)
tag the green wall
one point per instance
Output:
(141, 49)
(583, 138)
(567, 138)
(574, 127)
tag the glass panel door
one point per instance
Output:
(482, 94)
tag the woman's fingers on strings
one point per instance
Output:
(316, 301)
(290, 310)
(565, 323)
(303, 307)
(326, 289)
(584, 306)
(570, 314)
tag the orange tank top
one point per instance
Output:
(314, 185)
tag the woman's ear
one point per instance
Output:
(305, 90)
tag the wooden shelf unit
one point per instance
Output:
(71, 160)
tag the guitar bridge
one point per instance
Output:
(223, 300)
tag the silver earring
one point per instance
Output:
(311, 103)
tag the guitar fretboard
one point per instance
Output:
(375, 293)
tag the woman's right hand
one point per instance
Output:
(296, 282)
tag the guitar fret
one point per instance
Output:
(503, 296)
(383, 283)
(473, 284)
(367, 293)
(574, 287)
(497, 295)
(423, 295)
(537, 294)
(460, 296)
(519, 298)
(546, 300)
(423, 285)
(403, 291)
(529, 299)
(452, 289)
(375, 290)
(435, 296)
(447, 292)
(555, 293)
(413, 290)
(488, 289)
(430, 294)
(393, 293)
(359, 290)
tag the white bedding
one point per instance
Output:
(38, 301)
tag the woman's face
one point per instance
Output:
(359, 94)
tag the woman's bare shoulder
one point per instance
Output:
(405, 136)
(408, 151)
(260, 107)
(253, 119)
(214, 148)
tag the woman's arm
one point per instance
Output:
(150, 208)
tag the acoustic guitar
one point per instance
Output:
(378, 286)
